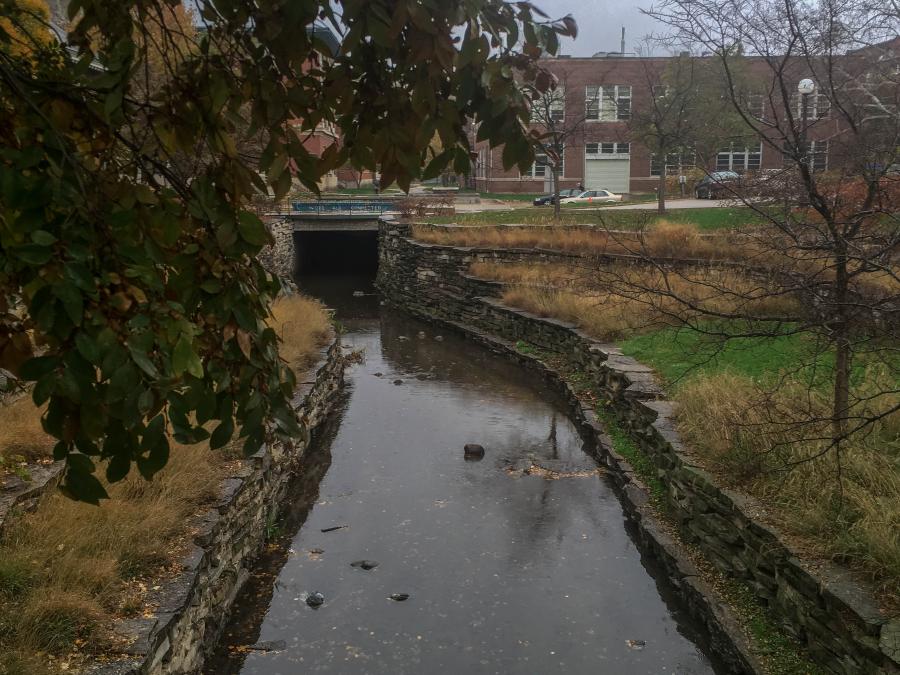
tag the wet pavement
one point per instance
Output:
(521, 562)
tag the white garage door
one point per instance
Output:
(607, 174)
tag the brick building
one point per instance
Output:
(601, 94)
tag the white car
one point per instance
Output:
(593, 196)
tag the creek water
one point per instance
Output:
(507, 571)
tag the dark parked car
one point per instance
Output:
(544, 200)
(716, 185)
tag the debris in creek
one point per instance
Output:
(399, 597)
(315, 599)
(473, 452)
(551, 469)
(378, 374)
(269, 646)
(636, 645)
(421, 334)
(315, 553)
(398, 382)
(439, 338)
(332, 529)
(365, 564)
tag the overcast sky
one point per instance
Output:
(600, 23)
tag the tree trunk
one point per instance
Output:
(843, 350)
(556, 205)
(661, 191)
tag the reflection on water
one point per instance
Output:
(506, 572)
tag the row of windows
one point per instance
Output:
(739, 159)
(612, 103)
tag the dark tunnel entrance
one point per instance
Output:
(338, 253)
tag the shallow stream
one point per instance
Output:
(521, 562)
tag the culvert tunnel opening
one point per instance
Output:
(336, 253)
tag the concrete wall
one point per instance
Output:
(192, 609)
(824, 606)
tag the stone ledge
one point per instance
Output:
(22, 496)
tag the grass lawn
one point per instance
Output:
(705, 219)
(676, 353)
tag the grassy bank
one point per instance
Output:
(69, 570)
(664, 239)
(625, 219)
(754, 410)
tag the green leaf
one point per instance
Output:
(80, 483)
(143, 361)
(87, 347)
(43, 238)
(33, 254)
(35, 368)
(252, 229)
(118, 467)
(72, 301)
(184, 358)
(222, 434)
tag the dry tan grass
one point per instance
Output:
(616, 301)
(665, 239)
(69, 569)
(303, 325)
(763, 249)
(21, 436)
(734, 424)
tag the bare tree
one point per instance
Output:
(687, 118)
(556, 124)
(831, 229)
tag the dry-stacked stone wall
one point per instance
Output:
(823, 605)
(192, 609)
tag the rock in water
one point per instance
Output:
(398, 382)
(365, 564)
(399, 597)
(315, 599)
(473, 451)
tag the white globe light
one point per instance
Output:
(806, 86)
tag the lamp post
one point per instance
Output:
(805, 87)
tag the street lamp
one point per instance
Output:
(805, 87)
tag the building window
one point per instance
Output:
(541, 167)
(816, 153)
(756, 106)
(676, 163)
(606, 148)
(608, 103)
(818, 106)
(550, 107)
(481, 163)
(739, 159)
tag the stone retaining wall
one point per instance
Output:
(192, 609)
(278, 257)
(822, 605)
